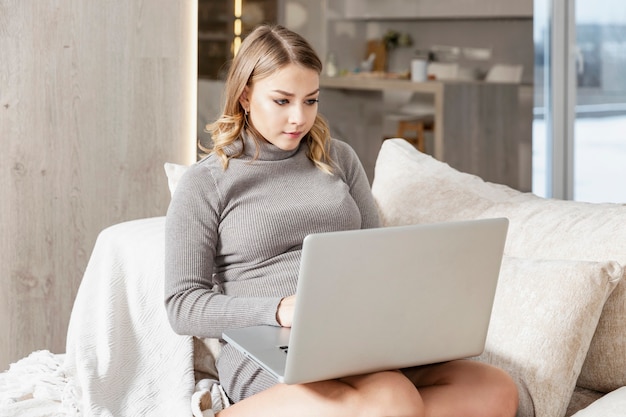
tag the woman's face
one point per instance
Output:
(283, 106)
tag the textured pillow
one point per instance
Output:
(173, 173)
(544, 315)
(411, 187)
(570, 230)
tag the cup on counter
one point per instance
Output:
(418, 70)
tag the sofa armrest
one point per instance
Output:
(122, 355)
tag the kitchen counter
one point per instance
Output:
(476, 123)
(365, 82)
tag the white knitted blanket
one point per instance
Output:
(122, 357)
(35, 386)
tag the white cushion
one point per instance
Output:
(205, 353)
(173, 173)
(581, 398)
(612, 404)
(544, 316)
(411, 187)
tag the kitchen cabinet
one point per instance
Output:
(476, 123)
(411, 9)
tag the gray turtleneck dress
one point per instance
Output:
(233, 240)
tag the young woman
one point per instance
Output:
(234, 236)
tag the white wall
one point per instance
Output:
(94, 98)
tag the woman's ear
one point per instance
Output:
(243, 99)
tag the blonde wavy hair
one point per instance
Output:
(263, 52)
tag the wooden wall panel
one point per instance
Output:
(94, 98)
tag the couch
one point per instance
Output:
(559, 319)
(558, 323)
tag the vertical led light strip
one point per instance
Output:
(237, 27)
(189, 40)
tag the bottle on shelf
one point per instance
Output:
(331, 66)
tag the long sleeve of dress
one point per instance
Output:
(196, 305)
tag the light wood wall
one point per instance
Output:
(94, 97)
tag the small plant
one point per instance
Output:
(393, 39)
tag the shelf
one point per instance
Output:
(215, 31)
(214, 36)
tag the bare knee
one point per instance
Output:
(505, 396)
(467, 388)
(386, 394)
(499, 395)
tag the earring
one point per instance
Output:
(245, 117)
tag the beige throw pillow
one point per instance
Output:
(544, 316)
(570, 230)
(411, 187)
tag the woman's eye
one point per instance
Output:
(280, 102)
(312, 101)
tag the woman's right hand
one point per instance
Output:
(284, 313)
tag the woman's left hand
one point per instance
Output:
(284, 313)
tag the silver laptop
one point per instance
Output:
(387, 298)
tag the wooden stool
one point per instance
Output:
(415, 126)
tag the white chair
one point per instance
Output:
(417, 115)
(501, 73)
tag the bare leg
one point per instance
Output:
(376, 395)
(457, 388)
(465, 388)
